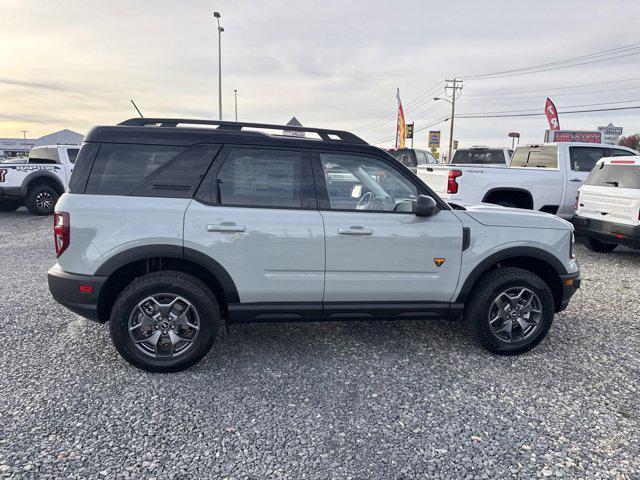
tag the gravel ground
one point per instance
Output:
(358, 400)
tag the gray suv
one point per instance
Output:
(170, 231)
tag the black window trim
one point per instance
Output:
(207, 193)
(322, 191)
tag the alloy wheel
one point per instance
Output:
(515, 314)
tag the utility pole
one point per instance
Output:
(235, 96)
(24, 141)
(455, 86)
(220, 30)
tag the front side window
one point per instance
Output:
(261, 178)
(583, 159)
(365, 183)
(421, 157)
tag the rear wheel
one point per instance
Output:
(41, 199)
(599, 246)
(9, 205)
(164, 321)
(510, 311)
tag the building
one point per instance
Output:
(17, 147)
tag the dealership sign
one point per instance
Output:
(572, 136)
(434, 139)
(611, 134)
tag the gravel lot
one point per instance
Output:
(358, 400)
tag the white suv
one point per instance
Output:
(169, 232)
(608, 205)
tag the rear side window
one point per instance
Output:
(261, 178)
(583, 159)
(82, 167)
(535, 157)
(149, 170)
(73, 154)
(481, 157)
(621, 176)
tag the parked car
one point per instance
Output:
(169, 232)
(542, 177)
(412, 157)
(482, 156)
(40, 181)
(608, 205)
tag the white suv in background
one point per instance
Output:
(169, 232)
(608, 205)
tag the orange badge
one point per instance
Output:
(439, 261)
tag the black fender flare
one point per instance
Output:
(34, 176)
(173, 251)
(507, 253)
(508, 189)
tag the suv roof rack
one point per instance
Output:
(324, 134)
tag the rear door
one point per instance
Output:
(582, 159)
(376, 249)
(256, 216)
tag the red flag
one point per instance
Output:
(401, 128)
(552, 115)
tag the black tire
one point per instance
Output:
(41, 199)
(599, 246)
(9, 205)
(165, 282)
(480, 301)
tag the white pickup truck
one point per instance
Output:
(543, 177)
(38, 183)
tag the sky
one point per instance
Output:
(335, 64)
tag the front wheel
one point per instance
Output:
(510, 311)
(164, 321)
(41, 200)
(599, 246)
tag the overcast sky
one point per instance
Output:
(74, 64)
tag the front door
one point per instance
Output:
(377, 250)
(256, 216)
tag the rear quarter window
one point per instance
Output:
(149, 170)
(479, 157)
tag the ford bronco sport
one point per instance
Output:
(171, 229)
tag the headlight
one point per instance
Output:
(571, 245)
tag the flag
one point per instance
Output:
(552, 115)
(401, 128)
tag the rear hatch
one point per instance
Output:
(612, 192)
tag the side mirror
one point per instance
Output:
(425, 206)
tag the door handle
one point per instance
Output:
(575, 180)
(355, 231)
(226, 227)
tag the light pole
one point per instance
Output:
(235, 97)
(453, 111)
(220, 30)
(24, 141)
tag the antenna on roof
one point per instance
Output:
(137, 109)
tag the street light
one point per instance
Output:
(453, 111)
(220, 30)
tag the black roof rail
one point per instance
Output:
(324, 134)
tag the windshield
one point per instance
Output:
(479, 156)
(621, 176)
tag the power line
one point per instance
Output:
(537, 109)
(538, 69)
(550, 93)
(635, 107)
(556, 88)
(416, 130)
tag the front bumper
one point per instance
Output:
(570, 284)
(609, 232)
(65, 289)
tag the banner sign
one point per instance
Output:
(552, 115)
(572, 136)
(434, 139)
(611, 134)
(400, 124)
(410, 130)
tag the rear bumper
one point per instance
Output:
(609, 232)
(65, 289)
(570, 284)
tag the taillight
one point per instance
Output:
(61, 231)
(452, 185)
